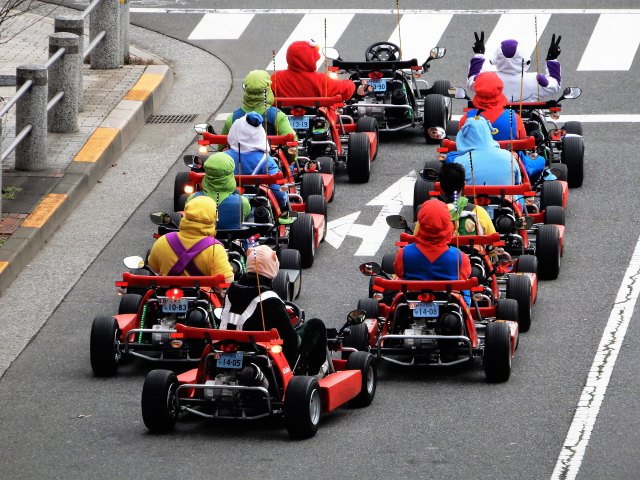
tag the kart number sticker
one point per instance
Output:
(175, 306)
(299, 123)
(426, 310)
(230, 360)
(379, 85)
(491, 209)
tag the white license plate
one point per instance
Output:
(378, 85)
(175, 306)
(230, 360)
(491, 210)
(299, 123)
(426, 310)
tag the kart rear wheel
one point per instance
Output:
(453, 126)
(182, 178)
(435, 115)
(282, 286)
(311, 184)
(104, 344)
(317, 204)
(327, 165)
(368, 124)
(527, 264)
(573, 127)
(519, 289)
(364, 362)
(290, 259)
(387, 263)
(370, 306)
(551, 194)
(358, 158)
(441, 87)
(129, 303)
(560, 170)
(358, 339)
(302, 407)
(554, 215)
(421, 191)
(573, 157)
(430, 166)
(302, 238)
(497, 352)
(182, 202)
(548, 252)
(159, 401)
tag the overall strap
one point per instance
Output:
(259, 165)
(186, 257)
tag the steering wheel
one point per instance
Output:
(296, 314)
(382, 52)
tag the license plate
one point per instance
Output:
(426, 310)
(230, 360)
(175, 306)
(491, 210)
(379, 85)
(299, 123)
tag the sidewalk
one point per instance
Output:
(116, 106)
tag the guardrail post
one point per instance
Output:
(106, 16)
(125, 17)
(63, 77)
(74, 25)
(31, 109)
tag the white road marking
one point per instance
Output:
(339, 228)
(598, 378)
(521, 27)
(592, 118)
(420, 33)
(389, 11)
(222, 117)
(312, 27)
(221, 26)
(613, 43)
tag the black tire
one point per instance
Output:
(551, 194)
(358, 159)
(104, 346)
(371, 283)
(388, 260)
(527, 264)
(573, 127)
(560, 170)
(317, 204)
(519, 289)
(368, 124)
(573, 157)
(129, 303)
(282, 287)
(453, 126)
(441, 87)
(497, 352)
(182, 178)
(182, 202)
(326, 165)
(290, 259)
(421, 191)
(433, 165)
(548, 252)
(139, 290)
(311, 184)
(508, 309)
(554, 215)
(302, 238)
(302, 407)
(435, 115)
(364, 362)
(358, 339)
(369, 305)
(159, 401)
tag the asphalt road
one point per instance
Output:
(60, 422)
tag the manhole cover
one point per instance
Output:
(185, 118)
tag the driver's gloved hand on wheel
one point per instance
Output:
(363, 89)
(478, 47)
(554, 48)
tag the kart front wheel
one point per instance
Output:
(527, 264)
(104, 346)
(548, 252)
(290, 259)
(182, 178)
(573, 157)
(159, 401)
(387, 264)
(551, 194)
(370, 125)
(435, 115)
(317, 204)
(573, 127)
(282, 286)
(129, 303)
(519, 289)
(560, 170)
(358, 338)
(311, 184)
(370, 306)
(302, 407)
(302, 238)
(358, 158)
(554, 215)
(326, 165)
(364, 362)
(497, 352)
(421, 191)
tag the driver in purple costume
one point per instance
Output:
(512, 63)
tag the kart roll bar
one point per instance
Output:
(436, 285)
(235, 335)
(130, 280)
(261, 179)
(528, 143)
(376, 66)
(273, 139)
(532, 105)
(307, 101)
(469, 190)
(460, 240)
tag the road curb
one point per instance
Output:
(100, 151)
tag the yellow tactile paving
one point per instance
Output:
(44, 210)
(142, 89)
(98, 142)
(3, 265)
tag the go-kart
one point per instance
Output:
(398, 98)
(329, 138)
(150, 308)
(287, 283)
(430, 323)
(244, 375)
(562, 147)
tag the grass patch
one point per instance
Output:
(9, 193)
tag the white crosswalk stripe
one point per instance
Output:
(221, 26)
(420, 33)
(613, 43)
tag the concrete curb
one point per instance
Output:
(102, 149)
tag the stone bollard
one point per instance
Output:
(31, 109)
(63, 77)
(125, 18)
(75, 25)
(106, 16)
